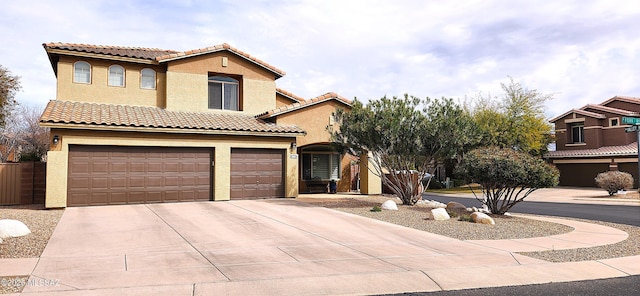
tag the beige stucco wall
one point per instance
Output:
(56, 191)
(187, 83)
(98, 91)
(369, 182)
(57, 167)
(314, 120)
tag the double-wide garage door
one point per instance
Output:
(109, 175)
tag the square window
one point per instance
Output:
(577, 133)
(223, 93)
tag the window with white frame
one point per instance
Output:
(223, 93)
(577, 133)
(116, 75)
(81, 72)
(321, 166)
(147, 79)
(614, 121)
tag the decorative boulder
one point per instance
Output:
(389, 205)
(482, 218)
(457, 208)
(12, 228)
(431, 204)
(439, 214)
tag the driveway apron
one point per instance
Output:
(277, 246)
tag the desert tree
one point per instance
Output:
(9, 86)
(515, 120)
(23, 136)
(507, 176)
(406, 138)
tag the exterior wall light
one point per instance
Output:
(56, 139)
(294, 146)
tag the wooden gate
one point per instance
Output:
(10, 183)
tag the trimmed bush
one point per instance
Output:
(507, 177)
(614, 181)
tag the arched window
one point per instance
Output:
(116, 75)
(223, 93)
(147, 78)
(81, 72)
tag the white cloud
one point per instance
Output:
(583, 51)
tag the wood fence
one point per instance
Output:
(22, 183)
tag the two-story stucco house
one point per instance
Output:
(592, 139)
(143, 125)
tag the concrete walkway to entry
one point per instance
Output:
(286, 247)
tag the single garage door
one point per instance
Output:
(110, 175)
(257, 173)
(580, 174)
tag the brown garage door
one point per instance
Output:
(109, 175)
(257, 173)
(580, 174)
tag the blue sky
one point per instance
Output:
(581, 51)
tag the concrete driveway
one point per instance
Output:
(269, 247)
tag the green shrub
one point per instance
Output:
(435, 184)
(507, 177)
(376, 209)
(614, 181)
(465, 218)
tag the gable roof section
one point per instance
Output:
(152, 55)
(607, 151)
(579, 111)
(289, 95)
(65, 114)
(623, 99)
(610, 110)
(304, 104)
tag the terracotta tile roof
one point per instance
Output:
(221, 47)
(119, 51)
(627, 99)
(92, 115)
(579, 111)
(158, 55)
(304, 104)
(289, 95)
(610, 110)
(626, 150)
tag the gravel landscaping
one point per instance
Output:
(40, 221)
(505, 228)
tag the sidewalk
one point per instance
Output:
(564, 195)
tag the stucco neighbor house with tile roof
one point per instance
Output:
(592, 139)
(144, 125)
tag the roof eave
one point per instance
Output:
(99, 56)
(277, 74)
(77, 126)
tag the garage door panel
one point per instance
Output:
(123, 175)
(257, 173)
(99, 198)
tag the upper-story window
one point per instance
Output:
(116, 75)
(81, 72)
(223, 93)
(148, 78)
(577, 133)
(614, 121)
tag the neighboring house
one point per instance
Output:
(592, 139)
(142, 125)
